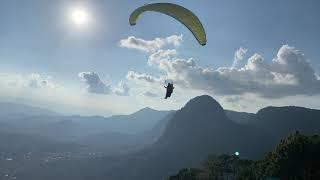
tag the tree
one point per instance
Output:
(296, 157)
(222, 165)
(187, 174)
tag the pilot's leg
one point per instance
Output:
(167, 95)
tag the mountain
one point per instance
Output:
(111, 135)
(280, 121)
(197, 120)
(26, 119)
(134, 123)
(139, 121)
(240, 117)
(119, 143)
(13, 110)
(204, 123)
(158, 129)
(200, 128)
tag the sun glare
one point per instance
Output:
(80, 17)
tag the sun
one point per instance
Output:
(79, 16)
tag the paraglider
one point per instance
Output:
(169, 90)
(181, 14)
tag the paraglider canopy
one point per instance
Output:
(183, 15)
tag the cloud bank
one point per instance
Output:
(27, 81)
(239, 55)
(40, 90)
(97, 86)
(122, 89)
(94, 83)
(252, 83)
(288, 74)
(150, 45)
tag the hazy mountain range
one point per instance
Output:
(155, 144)
(105, 133)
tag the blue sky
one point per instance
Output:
(38, 37)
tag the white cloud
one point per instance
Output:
(239, 55)
(136, 76)
(40, 81)
(42, 91)
(24, 81)
(289, 74)
(97, 86)
(150, 45)
(161, 54)
(94, 83)
(122, 89)
(174, 40)
(234, 102)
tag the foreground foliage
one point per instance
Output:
(296, 157)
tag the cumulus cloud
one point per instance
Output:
(122, 89)
(136, 76)
(94, 83)
(174, 39)
(288, 74)
(234, 102)
(43, 91)
(150, 45)
(239, 55)
(39, 81)
(97, 86)
(161, 54)
(33, 80)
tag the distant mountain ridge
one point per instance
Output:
(14, 109)
(240, 117)
(279, 121)
(108, 134)
(198, 129)
(37, 120)
(202, 127)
